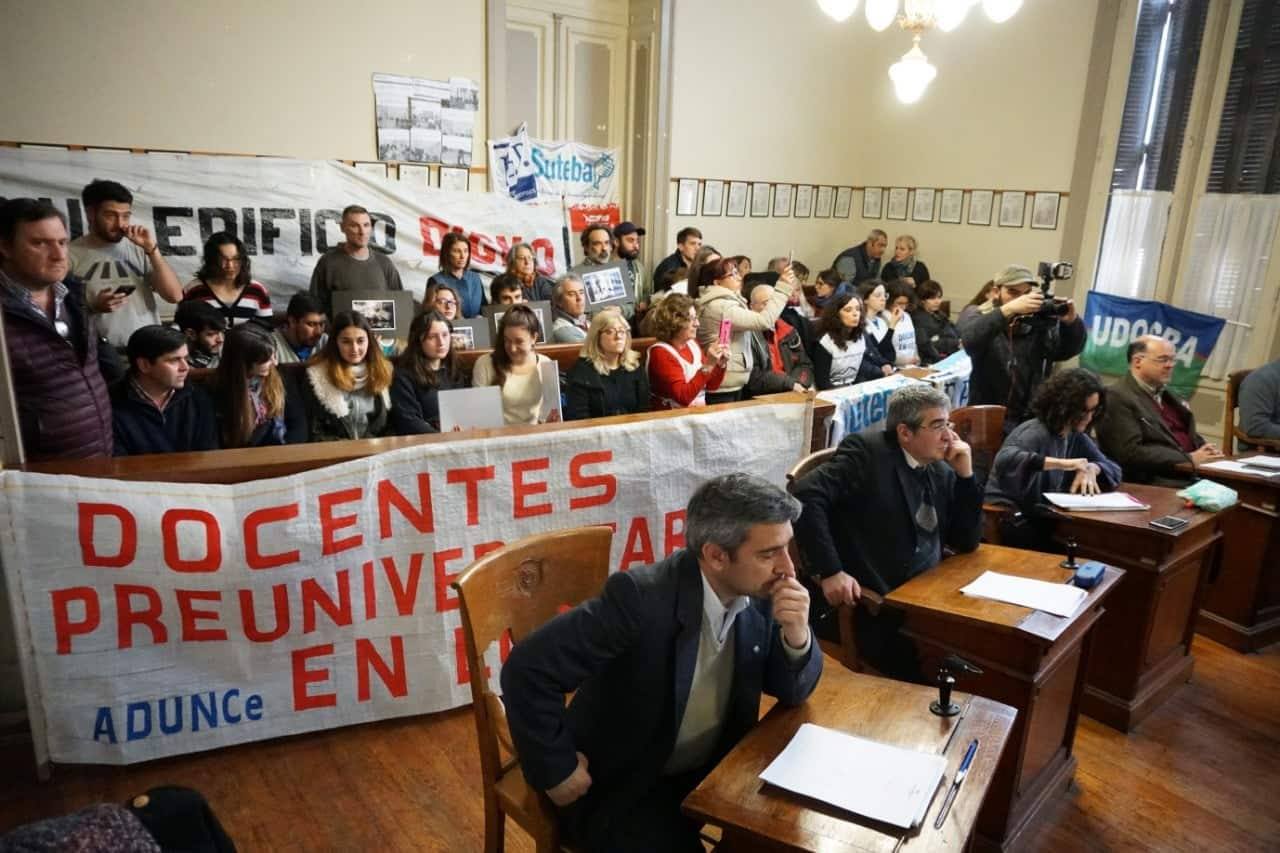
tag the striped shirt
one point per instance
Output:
(252, 303)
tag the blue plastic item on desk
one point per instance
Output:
(1088, 574)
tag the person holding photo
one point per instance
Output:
(456, 272)
(607, 378)
(347, 385)
(425, 368)
(678, 378)
(721, 300)
(515, 367)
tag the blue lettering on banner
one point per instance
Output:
(572, 169)
(204, 708)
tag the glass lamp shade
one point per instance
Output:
(838, 10)
(1000, 11)
(911, 75)
(881, 13)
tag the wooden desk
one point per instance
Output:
(1031, 660)
(758, 816)
(1151, 616)
(1241, 606)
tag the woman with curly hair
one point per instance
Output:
(1051, 453)
(679, 377)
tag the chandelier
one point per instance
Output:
(912, 74)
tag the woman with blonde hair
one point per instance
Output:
(607, 378)
(253, 405)
(904, 264)
(515, 367)
(348, 383)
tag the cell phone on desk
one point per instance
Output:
(1168, 522)
(125, 290)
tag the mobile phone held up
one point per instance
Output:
(125, 290)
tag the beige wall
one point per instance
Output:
(816, 106)
(284, 77)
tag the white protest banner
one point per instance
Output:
(287, 212)
(586, 176)
(157, 619)
(865, 406)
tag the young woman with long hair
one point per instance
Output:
(841, 356)
(254, 406)
(224, 282)
(347, 385)
(423, 370)
(515, 367)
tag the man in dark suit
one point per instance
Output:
(880, 511)
(668, 664)
(1144, 427)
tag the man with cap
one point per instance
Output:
(626, 248)
(1014, 347)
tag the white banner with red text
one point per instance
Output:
(157, 619)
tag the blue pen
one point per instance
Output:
(955, 785)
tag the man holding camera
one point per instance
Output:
(1015, 338)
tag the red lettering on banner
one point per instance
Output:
(485, 547)
(505, 643)
(212, 559)
(253, 556)
(389, 496)
(148, 617)
(405, 593)
(315, 596)
(522, 491)
(433, 231)
(330, 524)
(607, 483)
(64, 627)
(639, 547)
(248, 616)
(392, 677)
(545, 251)
(460, 655)
(673, 539)
(471, 477)
(440, 559)
(303, 699)
(192, 632)
(89, 513)
(370, 594)
(483, 249)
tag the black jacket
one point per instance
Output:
(329, 414)
(855, 266)
(296, 429)
(415, 408)
(936, 336)
(670, 263)
(1018, 479)
(187, 422)
(893, 270)
(590, 394)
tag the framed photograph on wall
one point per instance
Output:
(760, 198)
(822, 202)
(872, 202)
(949, 209)
(452, 178)
(922, 207)
(844, 201)
(1044, 210)
(804, 201)
(377, 170)
(712, 198)
(897, 203)
(687, 197)
(419, 176)
(782, 199)
(1013, 208)
(980, 207)
(737, 204)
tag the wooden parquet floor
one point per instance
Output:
(1201, 774)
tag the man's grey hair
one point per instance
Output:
(877, 234)
(724, 509)
(777, 264)
(558, 293)
(908, 405)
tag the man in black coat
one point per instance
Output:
(881, 510)
(668, 664)
(861, 262)
(154, 409)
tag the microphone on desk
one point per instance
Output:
(1070, 562)
(951, 664)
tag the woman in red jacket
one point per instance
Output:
(678, 377)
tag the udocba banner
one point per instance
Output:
(157, 619)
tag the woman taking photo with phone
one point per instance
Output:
(721, 303)
(347, 384)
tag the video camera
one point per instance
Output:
(1053, 308)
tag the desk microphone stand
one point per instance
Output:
(951, 664)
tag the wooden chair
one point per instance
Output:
(515, 589)
(983, 428)
(1230, 431)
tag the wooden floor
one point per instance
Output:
(1200, 774)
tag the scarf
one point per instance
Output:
(359, 376)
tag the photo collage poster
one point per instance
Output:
(425, 121)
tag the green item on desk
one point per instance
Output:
(1208, 495)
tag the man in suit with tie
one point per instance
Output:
(1145, 427)
(880, 511)
(668, 664)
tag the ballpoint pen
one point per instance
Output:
(955, 785)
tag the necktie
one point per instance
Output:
(926, 514)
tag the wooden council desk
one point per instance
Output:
(1031, 660)
(1241, 607)
(757, 816)
(1150, 619)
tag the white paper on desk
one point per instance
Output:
(1241, 468)
(866, 777)
(550, 377)
(1060, 599)
(1105, 502)
(470, 408)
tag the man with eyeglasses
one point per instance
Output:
(1146, 428)
(1014, 347)
(880, 511)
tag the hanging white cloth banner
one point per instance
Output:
(585, 176)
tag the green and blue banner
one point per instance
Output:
(1113, 322)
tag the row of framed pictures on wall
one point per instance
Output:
(444, 177)
(760, 198)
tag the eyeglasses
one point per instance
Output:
(938, 426)
(1163, 360)
(617, 332)
(440, 301)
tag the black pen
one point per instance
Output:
(955, 786)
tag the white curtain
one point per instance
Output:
(1131, 243)
(1230, 250)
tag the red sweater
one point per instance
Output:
(667, 382)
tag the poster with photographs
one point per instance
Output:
(425, 121)
(419, 176)
(949, 210)
(712, 198)
(844, 202)
(760, 198)
(495, 313)
(897, 203)
(605, 285)
(388, 312)
(782, 194)
(804, 201)
(737, 205)
(922, 208)
(822, 202)
(1044, 210)
(1013, 208)
(872, 202)
(686, 197)
(980, 207)
(380, 313)
(471, 333)
(455, 179)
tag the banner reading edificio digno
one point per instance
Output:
(157, 619)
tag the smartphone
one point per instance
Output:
(1168, 522)
(125, 289)
(726, 332)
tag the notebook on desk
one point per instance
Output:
(1106, 502)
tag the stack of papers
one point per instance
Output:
(866, 777)
(1243, 467)
(1060, 599)
(1106, 502)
